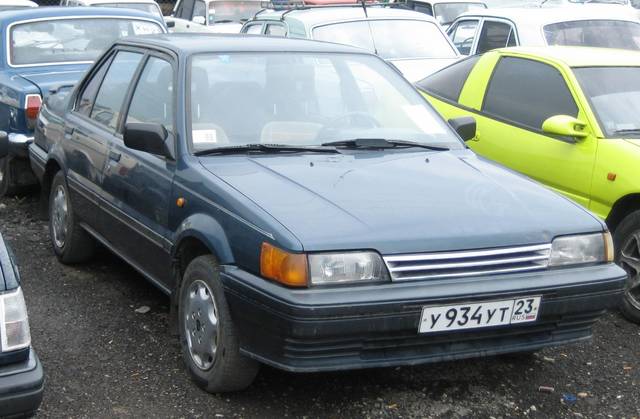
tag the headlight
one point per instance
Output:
(14, 323)
(582, 249)
(336, 268)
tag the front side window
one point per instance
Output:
(255, 29)
(463, 35)
(85, 103)
(446, 13)
(495, 35)
(305, 99)
(58, 41)
(185, 9)
(276, 30)
(448, 82)
(226, 11)
(527, 92)
(114, 87)
(614, 94)
(152, 101)
(199, 11)
(388, 38)
(595, 33)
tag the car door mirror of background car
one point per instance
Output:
(150, 138)
(171, 23)
(465, 126)
(565, 125)
(4, 144)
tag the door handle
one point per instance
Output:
(114, 156)
(68, 130)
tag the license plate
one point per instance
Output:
(477, 315)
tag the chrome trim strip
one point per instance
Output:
(466, 253)
(470, 273)
(226, 211)
(469, 264)
(48, 19)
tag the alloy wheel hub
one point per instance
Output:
(59, 217)
(201, 324)
(630, 261)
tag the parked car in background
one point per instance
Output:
(444, 11)
(412, 41)
(219, 16)
(596, 26)
(149, 6)
(574, 125)
(305, 207)
(42, 50)
(16, 5)
(21, 374)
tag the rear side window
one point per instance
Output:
(448, 82)
(495, 35)
(594, 33)
(463, 35)
(114, 88)
(527, 92)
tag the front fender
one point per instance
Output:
(207, 230)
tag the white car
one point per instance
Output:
(219, 16)
(149, 6)
(594, 26)
(16, 4)
(412, 41)
(445, 11)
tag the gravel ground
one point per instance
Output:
(102, 358)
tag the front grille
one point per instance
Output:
(468, 262)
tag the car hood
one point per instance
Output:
(401, 202)
(418, 69)
(47, 80)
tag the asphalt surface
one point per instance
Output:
(103, 359)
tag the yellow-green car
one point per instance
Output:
(568, 117)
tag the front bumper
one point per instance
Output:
(19, 144)
(326, 329)
(21, 387)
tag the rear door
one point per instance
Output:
(138, 184)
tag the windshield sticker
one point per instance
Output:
(204, 136)
(424, 119)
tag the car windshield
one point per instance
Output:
(614, 94)
(301, 99)
(595, 33)
(232, 11)
(145, 7)
(388, 38)
(446, 13)
(57, 41)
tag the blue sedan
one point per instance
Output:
(304, 207)
(42, 49)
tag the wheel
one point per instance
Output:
(7, 187)
(627, 245)
(71, 243)
(207, 335)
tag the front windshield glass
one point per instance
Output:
(145, 7)
(232, 11)
(71, 40)
(595, 33)
(389, 38)
(614, 94)
(301, 99)
(446, 13)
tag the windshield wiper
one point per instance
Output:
(264, 148)
(628, 131)
(381, 143)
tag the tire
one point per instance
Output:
(211, 353)
(71, 243)
(7, 187)
(627, 246)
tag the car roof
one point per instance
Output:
(580, 56)
(186, 43)
(26, 3)
(57, 11)
(313, 16)
(542, 16)
(450, 1)
(92, 2)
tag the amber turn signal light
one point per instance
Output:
(286, 268)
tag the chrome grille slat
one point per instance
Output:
(468, 262)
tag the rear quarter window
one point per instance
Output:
(448, 82)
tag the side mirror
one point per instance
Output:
(465, 126)
(565, 125)
(199, 20)
(4, 144)
(150, 138)
(171, 23)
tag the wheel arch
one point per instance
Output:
(52, 167)
(622, 207)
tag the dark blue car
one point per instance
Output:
(304, 207)
(42, 49)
